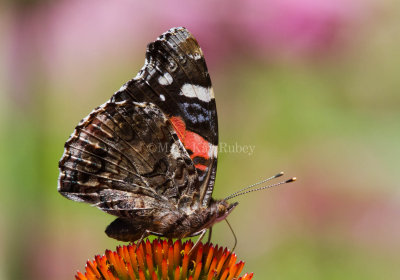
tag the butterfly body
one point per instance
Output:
(170, 223)
(149, 154)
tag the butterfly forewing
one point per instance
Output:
(176, 79)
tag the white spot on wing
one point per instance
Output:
(175, 152)
(195, 56)
(165, 79)
(162, 97)
(72, 197)
(213, 151)
(195, 91)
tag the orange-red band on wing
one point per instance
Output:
(191, 141)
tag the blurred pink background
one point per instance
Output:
(313, 85)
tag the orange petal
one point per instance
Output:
(197, 271)
(177, 273)
(80, 276)
(185, 264)
(150, 265)
(164, 269)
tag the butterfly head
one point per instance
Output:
(223, 209)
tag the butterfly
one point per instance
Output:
(149, 154)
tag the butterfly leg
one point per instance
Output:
(146, 233)
(202, 233)
(234, 235)
(209, 235)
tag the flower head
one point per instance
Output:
(162, 259)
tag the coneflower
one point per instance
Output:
(167, 260)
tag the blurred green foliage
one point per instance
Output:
(329, 117)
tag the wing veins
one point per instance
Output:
(105, 159)
(120, 152)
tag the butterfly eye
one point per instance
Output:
(221, 209)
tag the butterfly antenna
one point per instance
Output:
(246, 190)
(256, 184)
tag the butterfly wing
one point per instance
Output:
(126, 159)
(176, 79)
(153, 145)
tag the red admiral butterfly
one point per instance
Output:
(149, 154)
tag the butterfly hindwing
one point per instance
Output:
(124, 157)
